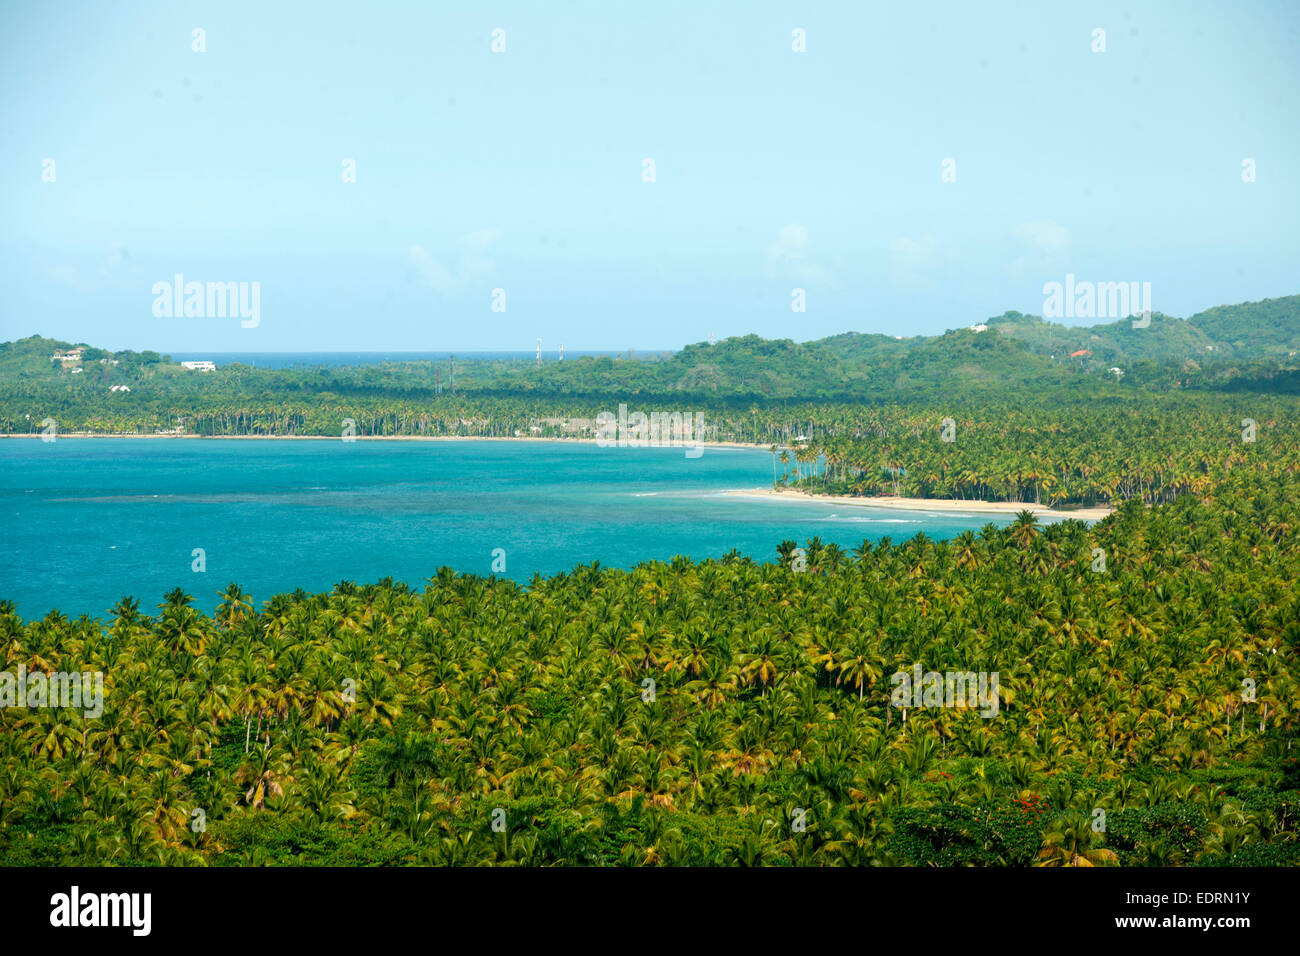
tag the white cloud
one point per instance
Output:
(788, 257)
(117, 257)
(472, 262)
(911, 258)
(431, 271)
(480, 241)
(792, 244)
(67, 275)
(114, 269)
(1043, 247)
(1043, 235)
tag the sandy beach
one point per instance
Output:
(929, 504)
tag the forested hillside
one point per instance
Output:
(1254, 330)
(1217, 349)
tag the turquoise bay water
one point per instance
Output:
(88, 520)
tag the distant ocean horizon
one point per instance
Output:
(341, 359)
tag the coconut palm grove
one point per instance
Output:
(736, 710)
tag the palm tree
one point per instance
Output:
(1071, 841)
(386, 721)
(263, 776)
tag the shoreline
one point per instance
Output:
(946, 505)
(516, 438)
(943, 505)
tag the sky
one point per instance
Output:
(913, 168)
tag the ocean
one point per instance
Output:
(340, 359)
(90, 520)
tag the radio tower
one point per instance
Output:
(561, 351)
(710, 338)
(539, 353)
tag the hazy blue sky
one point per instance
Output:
(522, 170)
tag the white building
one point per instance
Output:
(119, 388)
(979, 328)
(200, 366)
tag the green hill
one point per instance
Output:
(1253, 340)
(1269, 328)
(1249, 331)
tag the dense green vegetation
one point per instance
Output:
(380, 724)
(1061, 451)
(732, 711)
(748, 386)
(1265, 331)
